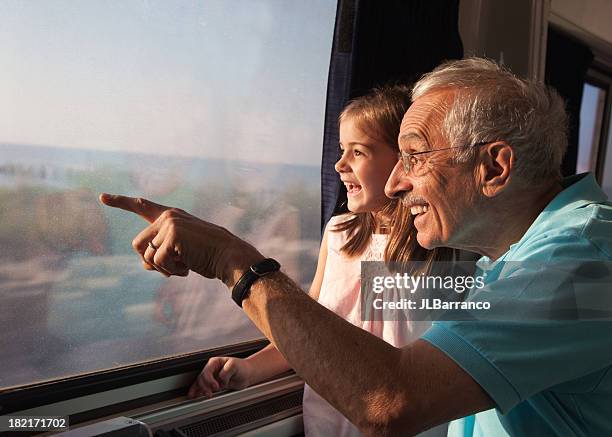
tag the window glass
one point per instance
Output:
(591, 115)
(213, 106)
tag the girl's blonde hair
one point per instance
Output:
(379, 114)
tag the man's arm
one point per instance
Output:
(381, 389)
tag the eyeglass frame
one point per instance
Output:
(401, 156)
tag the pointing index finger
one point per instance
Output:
(144, 208)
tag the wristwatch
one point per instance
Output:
(256, 271)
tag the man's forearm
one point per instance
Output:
(333, 356)
(381, 389)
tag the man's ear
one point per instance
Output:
(496, 161)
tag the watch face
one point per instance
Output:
(268, 265)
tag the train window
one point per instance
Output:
(212, 106)
(591, 117)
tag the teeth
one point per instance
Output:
(418, 209)
(352, 187)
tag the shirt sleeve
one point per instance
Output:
(513, 361)
(523, 352)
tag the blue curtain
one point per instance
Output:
(376, 43)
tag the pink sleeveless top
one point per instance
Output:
(340, 292)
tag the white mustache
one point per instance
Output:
(409, 200)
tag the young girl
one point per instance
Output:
(375, 229)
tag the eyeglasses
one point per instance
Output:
(416, 166)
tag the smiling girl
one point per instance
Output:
(375, 229)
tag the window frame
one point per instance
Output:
(67, 393)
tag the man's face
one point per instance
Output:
(440, 194)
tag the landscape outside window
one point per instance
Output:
(216, 107)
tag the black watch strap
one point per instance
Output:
(256, 271)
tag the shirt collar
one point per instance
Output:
(579, 190)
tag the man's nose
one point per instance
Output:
(398, 182)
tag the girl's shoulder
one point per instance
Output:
(337, 219)
(335, 238)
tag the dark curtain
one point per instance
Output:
(375, 43)
(567, 62)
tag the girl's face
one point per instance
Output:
(364, 167)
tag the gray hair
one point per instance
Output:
(491, 103)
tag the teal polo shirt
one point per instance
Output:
(546, 378)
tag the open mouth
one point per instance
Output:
(352, 189)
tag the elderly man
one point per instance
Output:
(481, 149)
